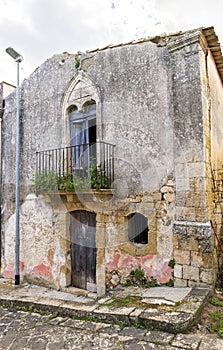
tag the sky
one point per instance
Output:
(38, 29)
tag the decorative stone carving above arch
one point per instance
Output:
(80, 92)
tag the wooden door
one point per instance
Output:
(83, 250)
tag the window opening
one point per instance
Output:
(138, 228)
(83, 136)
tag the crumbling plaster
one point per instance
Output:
(153, 104)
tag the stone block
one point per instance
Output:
(180, 198)
(182, 257)
(190, 200)
(149, 205)
(218, 219)
(187, 341)
(206, 276)
(185, 213)
(178, 271)
(182, 184)
(198, 284)
(191, 273)
(200, 200)
(193, 244)
(202, 214)
(152, 242)
(178, 283)
(147, 198)
(157, 196)
(181, 170)
(199, 184)
(100, 238)
(196, 169)
(196, 259)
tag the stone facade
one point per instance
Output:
(159, 102)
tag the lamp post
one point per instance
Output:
(18, 59)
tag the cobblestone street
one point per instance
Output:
(23, 330)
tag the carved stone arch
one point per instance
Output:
(79, 92)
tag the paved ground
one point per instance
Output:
(161, 308)
(21, 330)
(65, 319)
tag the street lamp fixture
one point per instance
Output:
(18, 59)
(14, 54)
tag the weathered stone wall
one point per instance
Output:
(135, 85)
(152, 103)
(194, 249)
(136, 117)
(215, 169)
(41, 96)
(190, 167)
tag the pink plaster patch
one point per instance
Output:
(129, 262)
(113, 265)
(144, 259)
(9, 272)
(22, 266)
(43, 271)
(165, 274)
(152, 266)
(162, 274)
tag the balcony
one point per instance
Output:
(78, 168)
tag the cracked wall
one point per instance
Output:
(153, 104)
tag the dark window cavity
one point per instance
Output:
(138, 228)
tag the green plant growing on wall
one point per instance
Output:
(77, 62)
(137, 274)
(136, 278)
(171, 263)
(98, 177)
(71, 183)
(50, 182)
(65, 183)
(45, 182)
(81, 184)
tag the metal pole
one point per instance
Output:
(17, 199)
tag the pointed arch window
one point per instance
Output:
(83, 135)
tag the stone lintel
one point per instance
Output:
(192, 223)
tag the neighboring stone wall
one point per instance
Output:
(193, 237)
(193, 254)
(215, 172)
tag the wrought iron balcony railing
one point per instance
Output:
(75, 168)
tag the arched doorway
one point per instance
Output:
(83, 250)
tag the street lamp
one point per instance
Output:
(18, 59)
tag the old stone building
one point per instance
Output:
(121, 165)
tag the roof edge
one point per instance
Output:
(215, 48)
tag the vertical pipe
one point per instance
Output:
(17, 233)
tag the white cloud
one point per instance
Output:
(40, 28)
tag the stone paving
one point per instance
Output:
(161, 308)
(56, 320)
(22, 330)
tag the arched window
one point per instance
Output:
(138, 228)
(83, 135)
